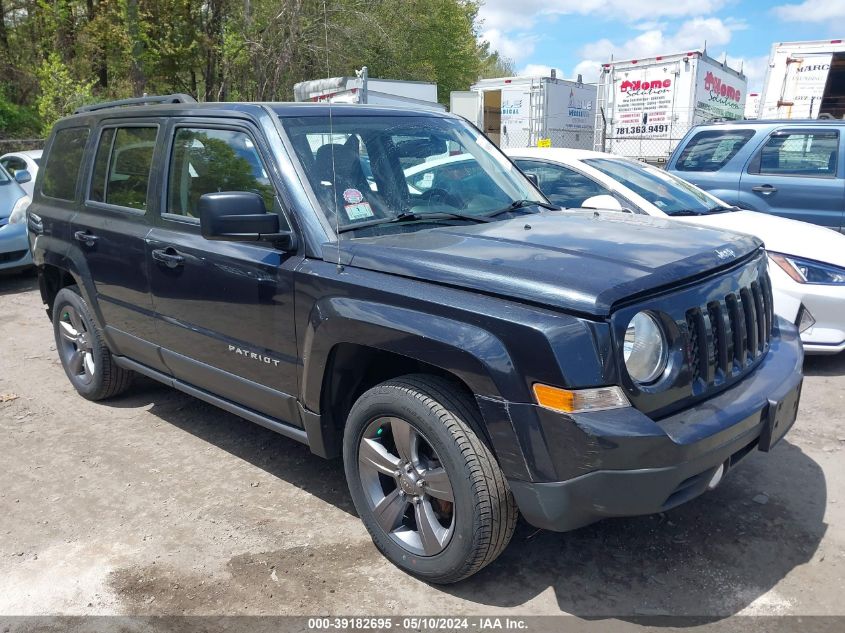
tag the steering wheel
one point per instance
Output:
(436, 195)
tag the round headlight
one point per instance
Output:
(645, 348)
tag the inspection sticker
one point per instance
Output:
(360, 211)
(352, 196)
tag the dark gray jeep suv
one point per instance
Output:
(470, 350)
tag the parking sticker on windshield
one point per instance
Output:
(360, 211)
(352, 196)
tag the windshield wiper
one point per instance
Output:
(685, 212)
(721, 208)
(408, 216)
(519, 205)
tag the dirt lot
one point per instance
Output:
(156, 503)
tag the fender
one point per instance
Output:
(482, 361)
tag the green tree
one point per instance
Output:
(60, 94)
(17, 120)
(57, 54)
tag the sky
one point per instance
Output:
(577, 36)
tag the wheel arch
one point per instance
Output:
(352, 345)
(469, 353)
(56, 272)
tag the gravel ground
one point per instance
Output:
(158, 504)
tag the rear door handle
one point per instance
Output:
(764, 189)
(86, 237)
(169, 257)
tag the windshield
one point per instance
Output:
(4, 177)
(668, 193)
(367, 171)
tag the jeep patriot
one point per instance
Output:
(469, 350)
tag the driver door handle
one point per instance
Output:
(169, 257)
(764, 189)
(86, 237)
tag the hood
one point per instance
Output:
(584, 261)
(781, 235)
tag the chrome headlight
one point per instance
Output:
(19, 210)
(645, 349)
(807, 271)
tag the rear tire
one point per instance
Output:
(426, 486)
(85, 357)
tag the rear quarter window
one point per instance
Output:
(710, 150)
(61, 169)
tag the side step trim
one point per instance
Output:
(248, 414)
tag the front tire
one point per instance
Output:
(87, 361)
(426, 486)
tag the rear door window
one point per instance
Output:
(62, 168)
(122, 166)
(710, 150)
(812, 153)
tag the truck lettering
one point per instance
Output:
(813, 67)
(637, 85)
(580, 108)
(718, 88)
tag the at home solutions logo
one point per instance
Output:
(638, 86)
(719, 90)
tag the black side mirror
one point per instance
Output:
(534, 179)
(22, 176)
(240, 216)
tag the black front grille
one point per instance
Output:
(727, 335)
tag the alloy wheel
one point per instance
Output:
(77, 349)
(406, 485)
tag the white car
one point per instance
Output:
(27, 161)
(807, 262)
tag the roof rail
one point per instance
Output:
(174, 98)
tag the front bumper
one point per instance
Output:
(622, 463)
(827, 305)
(14, 247)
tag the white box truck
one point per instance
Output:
(752, 105)
(364, 89)
(645, 106)
(805, 80)
(530, 111)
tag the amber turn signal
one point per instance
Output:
(579, 400)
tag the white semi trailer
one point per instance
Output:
(645, 106)
(530, 111)
(805, 80)
(364, 89)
